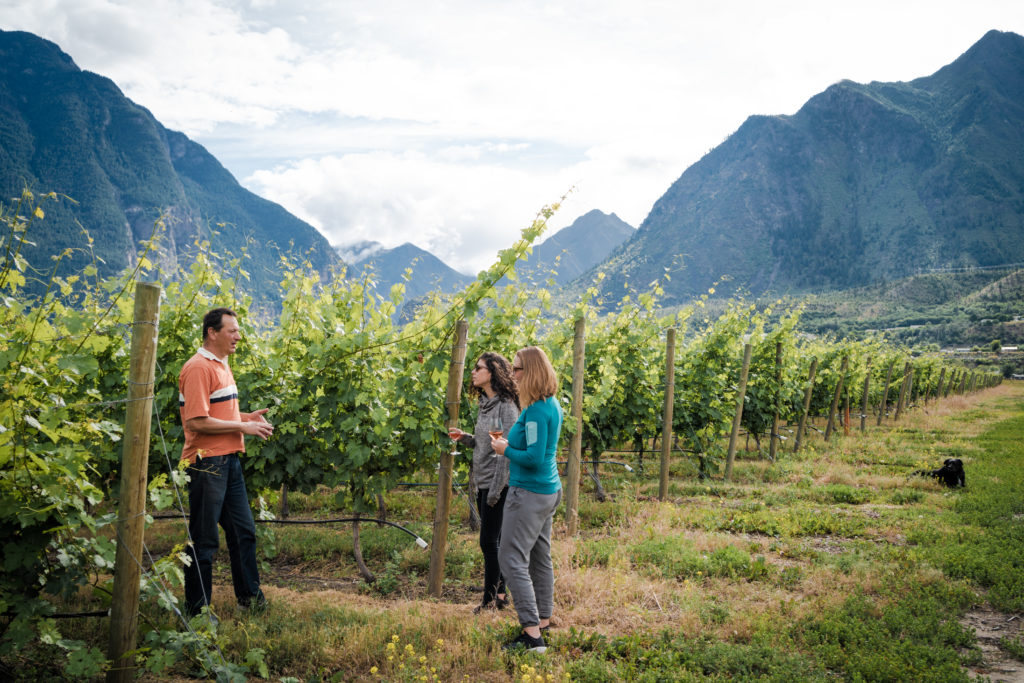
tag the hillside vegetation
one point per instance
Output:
(964, 310)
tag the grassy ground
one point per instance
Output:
(833, 564)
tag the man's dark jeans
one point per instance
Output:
(217, 495)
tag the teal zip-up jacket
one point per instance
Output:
(532, 445)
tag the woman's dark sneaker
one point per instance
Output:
(497, 603)
(527, 643)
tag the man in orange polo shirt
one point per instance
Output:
(214, 438)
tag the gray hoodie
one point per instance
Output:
(490, 471)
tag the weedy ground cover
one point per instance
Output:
(837, 562)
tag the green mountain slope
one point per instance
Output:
(73, 132)
(864, 183)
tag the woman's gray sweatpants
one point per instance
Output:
(525, 552)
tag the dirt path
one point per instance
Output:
(992, 626)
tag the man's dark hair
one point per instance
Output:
(213, 319)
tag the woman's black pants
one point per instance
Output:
(490, 536)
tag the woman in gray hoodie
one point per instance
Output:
(498, 411)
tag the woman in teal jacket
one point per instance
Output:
(534, 492)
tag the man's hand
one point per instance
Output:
(261, 429)
(255, 416)
(255, 424)
(252, 423)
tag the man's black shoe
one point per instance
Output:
(527, 643)
(256, 605)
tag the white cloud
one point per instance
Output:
(463, 214)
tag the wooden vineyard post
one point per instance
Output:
(747, 349)
(807, 405)
(903, 391)
(439, 542)
(124, 611)
(666, 423)
(835, 398)
(912, 385)
(572, 467)
(885, 394)
(773, 440)
(963, 382)
(864, 398)
(846, 413)
(938, 387)
(908, 392)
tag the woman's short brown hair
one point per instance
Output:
(538, 379)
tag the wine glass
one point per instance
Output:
(495, 428)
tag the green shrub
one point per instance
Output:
(843, 494)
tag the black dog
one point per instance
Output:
(951, 473)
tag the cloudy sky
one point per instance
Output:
(449, 124)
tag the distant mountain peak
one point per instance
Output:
(579, 247)
(357, 252)
(998, 54)
(429, 273)
(866, 182)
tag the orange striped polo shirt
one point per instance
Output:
(207, 389)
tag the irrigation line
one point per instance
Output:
(629, 468)
(419, 541)
(44, 340)
(334, 520)
(64, 615)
